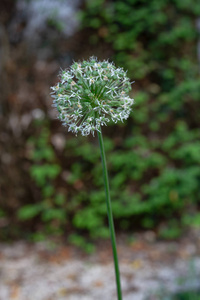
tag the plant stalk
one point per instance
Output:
(110, 217)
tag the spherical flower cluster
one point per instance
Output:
(90, 94)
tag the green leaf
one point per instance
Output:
(30, 211)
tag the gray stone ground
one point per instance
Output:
(39, 272)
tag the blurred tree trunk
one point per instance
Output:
(7, 8)
(4, 66)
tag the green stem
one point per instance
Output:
(110, 217)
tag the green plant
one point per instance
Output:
(44, 171)
(80, 242)
(157, 159)
(187, 295)
(184, 295)
(154, 160)
(89, 95)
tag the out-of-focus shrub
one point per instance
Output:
(153, 159)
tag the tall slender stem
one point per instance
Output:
(110, 217)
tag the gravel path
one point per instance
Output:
(40, 272)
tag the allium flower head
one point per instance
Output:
(90, 94)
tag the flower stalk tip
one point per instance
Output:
(90, 94)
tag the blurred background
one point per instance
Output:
(51, 181)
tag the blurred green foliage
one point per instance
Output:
(184, 295)
(44, 170)
(145, 35)
(189, 295)
(155, 173)
(154, 159)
